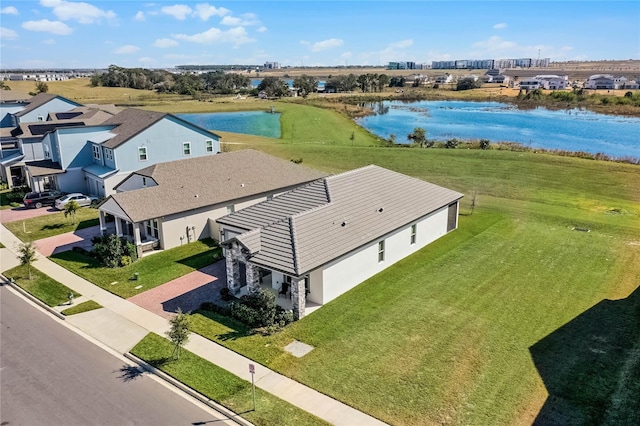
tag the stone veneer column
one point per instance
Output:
(298, 297)
(253, 278)
(233, 269)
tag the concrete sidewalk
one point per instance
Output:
(121, 325)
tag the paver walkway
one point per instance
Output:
(186, 292)
(120, 325)
(23, 213)
(63, 242)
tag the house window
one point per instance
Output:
(152, 228)
(381, 251)
(142, 153)
(40, 118)
(108, 154)
(47, 154)
(208, 146)
(96, 152)
(413, 233)
(186, 148)
(231, 209)
(452, 217)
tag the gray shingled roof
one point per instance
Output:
(364, 204)
(133, 121)
(39, 100)
(215, 179)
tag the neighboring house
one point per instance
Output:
(11, 102)
(553, 82)
(174, 203)
(94, 159)
(326, 237)
(24, 144)
(631, 85)
(600, 81)
(41, 105)
(442, 79)
(530, 84)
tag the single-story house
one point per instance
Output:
(172, 203)
(324, 238)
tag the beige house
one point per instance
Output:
(173, 203)
(320, 240)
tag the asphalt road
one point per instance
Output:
(49, 375)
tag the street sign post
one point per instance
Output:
(252, 370)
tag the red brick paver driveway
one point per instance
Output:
(23, 213)
(63, 242)
(186, 292)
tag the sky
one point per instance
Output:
(163, 34)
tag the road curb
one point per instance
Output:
(32, 298)
(223, 410)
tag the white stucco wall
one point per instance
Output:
(341, 275)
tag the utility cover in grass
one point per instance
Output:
(298, 349)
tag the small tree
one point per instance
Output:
(70, 210)
(42, 87)
(419, 137)
(27, 255)
(485, 143)
(179, 332)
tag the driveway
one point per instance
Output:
(186, 292)
(63, 242)
(23, 213)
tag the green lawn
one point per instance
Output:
(52, 224)
(221, 386)
(153, 270)
(41, 286)
(79, 308)
(445, 336)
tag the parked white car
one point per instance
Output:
(81, 199)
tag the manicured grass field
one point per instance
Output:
(53, 224)
(41, 286)
(153, 270)
(221, 386)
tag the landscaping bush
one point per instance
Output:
(260, 310)
(225, 294)
(113, 251)
(245, 314)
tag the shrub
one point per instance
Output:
(245, 314)
(212, 307)
(283, 317)
(113, 251)
(451, 143)
(484, 143)
(225, 294)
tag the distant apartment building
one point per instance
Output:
(490, 63)
(404, 65)
(272, 65)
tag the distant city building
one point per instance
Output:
(272, 65)
(402, 66)
(490, 63)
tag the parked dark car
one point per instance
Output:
(35, 200)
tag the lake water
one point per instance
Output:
(259, 123)
(572, 130)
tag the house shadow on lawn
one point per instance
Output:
(591, 366)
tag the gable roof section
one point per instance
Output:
(39, 100)
(215, 179)
(132, 121)
(364, 205)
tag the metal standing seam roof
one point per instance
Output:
(215, 179)
(364, 205)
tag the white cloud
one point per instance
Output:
(9, 10)
(7, 34)
(262, 29)
(44, 25)
(346, 55)
(49, 41)
(326, 44)
(178, 11)
(126, 49)
(494, 44)
(84, 13)
(205, 11)
(401, 44)
(140, 16)
(146, 60)
(245, 20)
(235, 36)
(164, 43)
(500, 26)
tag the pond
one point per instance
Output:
(259, 123)
(571, 130)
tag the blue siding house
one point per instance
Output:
(95, 159)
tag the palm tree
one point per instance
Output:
(70, 209)
(27, 255)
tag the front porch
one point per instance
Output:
(143, 236)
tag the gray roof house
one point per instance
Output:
(317, 241)
(172, 203)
